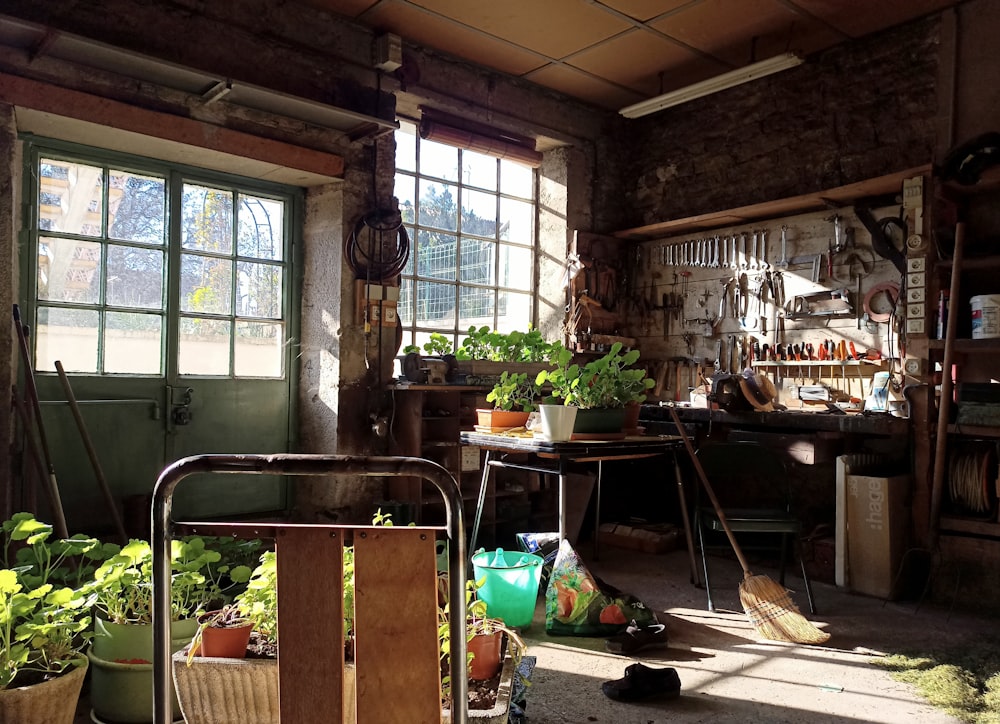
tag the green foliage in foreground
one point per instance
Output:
(964, 682)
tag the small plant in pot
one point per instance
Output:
(44, 626)
(514, 398)
(222, 633)
(122, 651)
(485, 639)
(609, 382)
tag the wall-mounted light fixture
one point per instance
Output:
(713, 85)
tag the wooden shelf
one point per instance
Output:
(975, 526)
(974, 430)
(972, 264)
(967, 345)
(840, 196)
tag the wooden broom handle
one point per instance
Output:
(711, 493)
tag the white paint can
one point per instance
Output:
(985, 316)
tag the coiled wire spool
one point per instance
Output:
(971, 474)
(378, 247)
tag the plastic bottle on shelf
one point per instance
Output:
(942, 316)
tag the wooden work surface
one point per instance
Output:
(577, 450)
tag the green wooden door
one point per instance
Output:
(165, 293)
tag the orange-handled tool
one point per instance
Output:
(842, 350)
(854, 352)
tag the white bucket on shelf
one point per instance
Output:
(985, 316)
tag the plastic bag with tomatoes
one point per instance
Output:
(577, 604)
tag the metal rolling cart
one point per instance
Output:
(396, 603)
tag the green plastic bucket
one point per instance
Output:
(510, 584)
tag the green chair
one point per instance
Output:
(752, 485)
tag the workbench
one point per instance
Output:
(561, 459)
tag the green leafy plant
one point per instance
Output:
(259, 600)
(66, 561)
(200, 578)
(514, 392)
(606, 382)
(44, 626)
(436, 346)
(477, 623)
(486, 344)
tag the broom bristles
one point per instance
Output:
(773, 614)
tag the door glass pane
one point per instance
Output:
(258, 349)
(69, 197)
(135, 277)
(136, 207)
(133, 343)
(262, 228)
(259, 290)
(515, 267)
(67, 335)
(207, 219)
(438, 205)
(203, 346)
(206, 284)
(67, 270)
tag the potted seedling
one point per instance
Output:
(513, 397)
(44, 625)
(492, 647)
(222, 633)
(122, 651)
(603, 386)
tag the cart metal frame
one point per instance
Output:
(310, 699)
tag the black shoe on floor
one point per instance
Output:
(637, 637)
(643, 682)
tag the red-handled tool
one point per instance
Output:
(854, 352)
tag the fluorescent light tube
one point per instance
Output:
(713, 85)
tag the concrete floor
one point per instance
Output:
(727, 673)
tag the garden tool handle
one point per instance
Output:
(711, 493)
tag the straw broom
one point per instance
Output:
(767, 604)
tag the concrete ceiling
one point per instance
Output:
(612, 53)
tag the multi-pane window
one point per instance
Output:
(471, 221)
(105, 265)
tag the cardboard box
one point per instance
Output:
(659, 538)
(878, 524)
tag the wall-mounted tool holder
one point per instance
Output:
(835, 302)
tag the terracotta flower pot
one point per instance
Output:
(487, 650)
(505, 419)
(227, 643)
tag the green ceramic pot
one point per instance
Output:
(599, 420)
(121, 686)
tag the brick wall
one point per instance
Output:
(856, 111)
